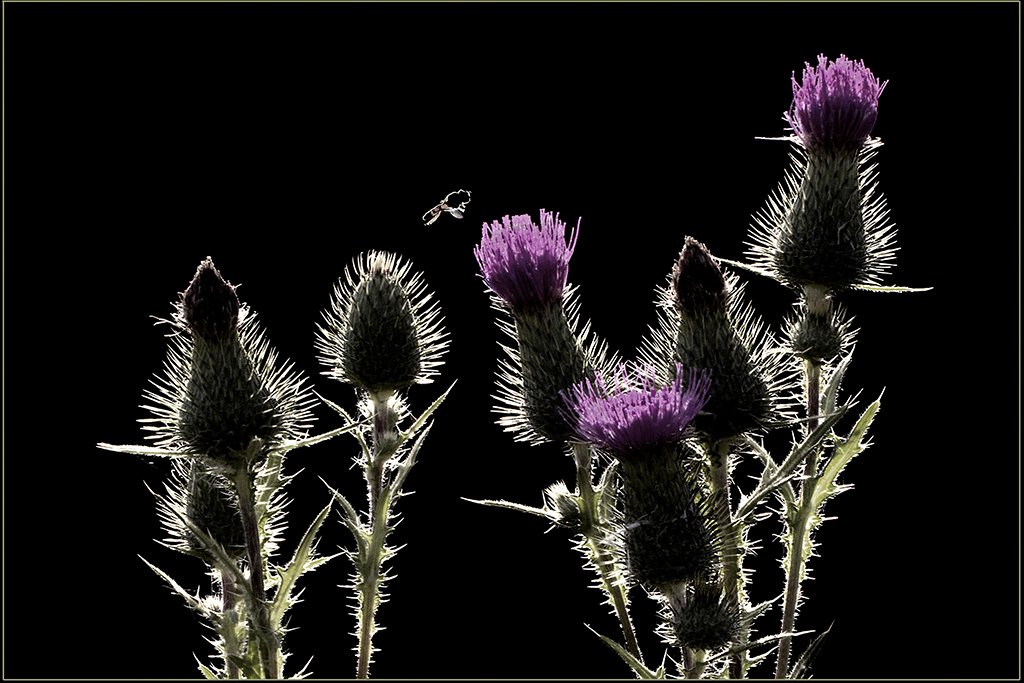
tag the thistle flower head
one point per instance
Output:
(525, 264)
(836, 105)
(383, 331)
(635, 414)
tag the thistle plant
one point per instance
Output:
(825, 231)
(381, 335)
(712, 381)
(226, 412)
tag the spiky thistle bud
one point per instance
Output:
(818, 332)
(702, 618)
(526, 266)
(223, 389)
(706, 324)
(207, 500)
(382, 333)
(669, 534)
(826, 228)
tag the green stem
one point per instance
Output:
(228, 595)
(730, 535)
(267, 640)
(799, 527)
(597, 544)
(385, 438)
(697, 665)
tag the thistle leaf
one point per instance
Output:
(844, 451)
(407, 434)
(878, 288)
(773, 477)
(301, 563)
(760, 641)
(642, 672)
(803, 665)
(351, 519)
(142, 450)
(540, 512)
(193, 600)
(207, 671)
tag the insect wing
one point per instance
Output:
(431, 216)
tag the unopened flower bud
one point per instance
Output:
(697, 281)
(226, 403)
(713, 330)
(212, 505)
(558, 499)
(703, 619)
(380, 333)
(223, 392)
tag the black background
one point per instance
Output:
(285, 139)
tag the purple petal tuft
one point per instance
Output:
(524, 264)
(636, 414)
(836, 106)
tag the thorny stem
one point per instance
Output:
(596, 542)
(730, 540)
(698, 664)
(384, 442)
(261, 618)
(812, 371)
(227, 592)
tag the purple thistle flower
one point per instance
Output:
(638, 414)
(524, 264)
(836, 106)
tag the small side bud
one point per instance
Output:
(212, 505)
(703, 619)
(558, 498)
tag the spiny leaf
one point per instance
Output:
(406, 466)
(300, 564)
(845, 449)
(141, 450)
(770, 480)
(351, 519)
(407, 434)
(540, 512)
(803, 665)
(879, 288)
(207, 671)
(760, 641)
(193, 601)
(642, 672)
